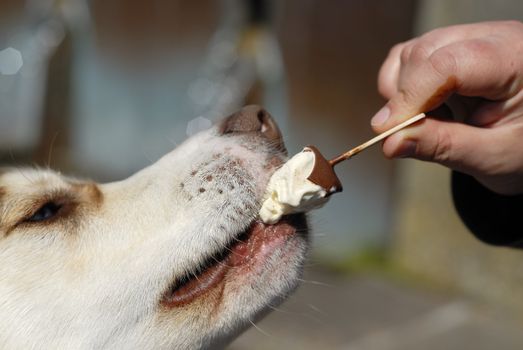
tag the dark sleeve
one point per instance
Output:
(493, 218)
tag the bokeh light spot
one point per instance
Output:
(198, 124)
(10, 61)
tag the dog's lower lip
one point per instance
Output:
(256, 242)
(259, 235)
(186, 293)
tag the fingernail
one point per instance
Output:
(381, 117)
(407, 149)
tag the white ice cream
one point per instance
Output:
(289, 190)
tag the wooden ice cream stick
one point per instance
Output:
(323, 173)
(351, 153)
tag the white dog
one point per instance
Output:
(171, 258)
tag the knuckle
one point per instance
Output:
(479, 47)
(443, 61)
(405, 54)
(442, 151)
(405, 96)
(397, 48)
(420, 51)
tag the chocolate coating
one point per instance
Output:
(323, 173)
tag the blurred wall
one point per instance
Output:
(430, 239)
(122, 79)
(134, 63)
(21, 96)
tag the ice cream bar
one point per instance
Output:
(303, 183)
(308, 179)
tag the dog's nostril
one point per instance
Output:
(268, 127)
(261, 119)
(253, 119)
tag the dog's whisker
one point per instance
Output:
(238, 240)
(51, 147)
(21, 172)
(317, 283)
(148, 157)
(260, 330)
(232, 251)
(313, 318)
(221, 263)
(172, 141)
(316, 309)
(286, 311)
(195, 276)
(226, 248)
(319, 235)
(11, 155)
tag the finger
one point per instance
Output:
(458, 146)
(428, 42)
(490, 114)
(463, 107)
(389, 71)
(427, 80)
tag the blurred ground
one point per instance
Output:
(374, 312)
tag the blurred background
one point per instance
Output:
(101, 89)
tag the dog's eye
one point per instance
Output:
(46, 212)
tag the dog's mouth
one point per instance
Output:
(250, 247)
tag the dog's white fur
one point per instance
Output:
(94, 278)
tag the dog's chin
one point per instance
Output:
(259, 250)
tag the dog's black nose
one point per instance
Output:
(253, 119)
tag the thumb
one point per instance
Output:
(430, 93)
(458, 146)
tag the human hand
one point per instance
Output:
(476, 69)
